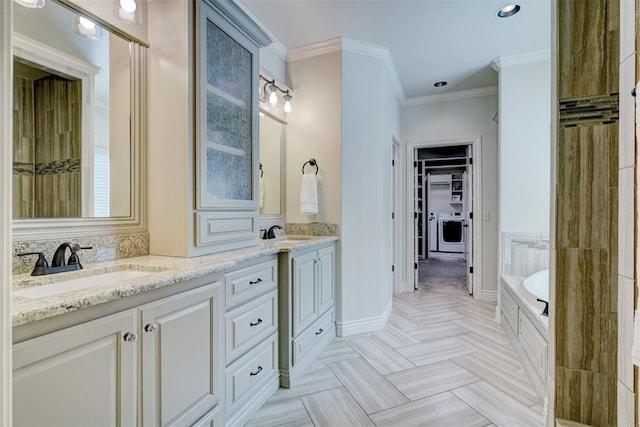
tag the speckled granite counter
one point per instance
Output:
(166, 271)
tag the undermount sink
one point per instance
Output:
(80, 283)
(294, 239)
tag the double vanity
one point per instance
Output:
(162, 143)
(158, 340)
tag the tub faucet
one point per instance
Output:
(545, 312)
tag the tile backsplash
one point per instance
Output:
(312, 229)
(104, 248)
(523, 254)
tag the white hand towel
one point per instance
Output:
(261, 191)
(309, 194)
(635, 349)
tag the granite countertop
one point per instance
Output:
(165, 271)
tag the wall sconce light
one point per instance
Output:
(86, 28)
(32, 4)
(269, 93)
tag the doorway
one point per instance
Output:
(445, 193)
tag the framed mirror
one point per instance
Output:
(272, 162)
(77, 134)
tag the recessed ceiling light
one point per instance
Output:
(441, 83)
(508, 10)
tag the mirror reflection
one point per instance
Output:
(271, 155)
(71, 115)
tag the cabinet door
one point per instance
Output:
(181, 357)
(325, 279)
(81, 376)
(226, 115)
(305, 302)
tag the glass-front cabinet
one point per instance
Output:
(203, 127)
(228, 62)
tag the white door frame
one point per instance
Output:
(399, 251)
(476, 205)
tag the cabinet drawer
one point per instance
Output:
(510, 311)
(534, 345)
(246, 283)
(228, 230)
(250, 323)
(247, 375)
(321, 331)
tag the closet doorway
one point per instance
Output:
(444, 199)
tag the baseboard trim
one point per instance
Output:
(362, 326)
(489, 296)
(404, 287)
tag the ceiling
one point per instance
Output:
(429, 40)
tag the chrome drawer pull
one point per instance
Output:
(256, 323)
(319, 331)
(255, 282)
(251, 374)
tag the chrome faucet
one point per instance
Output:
(270, 233)
(58, 264)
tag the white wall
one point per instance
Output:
(348, 128)
(314, 131)
(459, 119)
(367, 130)
(524, 148)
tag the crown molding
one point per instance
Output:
(342, 44)
(520, 58)
(315, 49)
(451, 96)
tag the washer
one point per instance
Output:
(451, 232)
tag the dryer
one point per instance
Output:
(451, 232)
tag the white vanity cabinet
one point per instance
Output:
(181, 357)
(307, 297)
(251, 338)
(79, 376)
(164, 354)
(203, 127)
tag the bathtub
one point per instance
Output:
(538, 285)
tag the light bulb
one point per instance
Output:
(273, 98)
(128, 6)
(86, 24)
(87, 28)
(287, 103)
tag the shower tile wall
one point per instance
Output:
(587, 212)
(47, 148)
(23, 148)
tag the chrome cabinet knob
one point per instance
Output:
(130, 337)
(151, 327)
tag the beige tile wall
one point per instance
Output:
(586, 310)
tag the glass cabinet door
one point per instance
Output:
(226, 123)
